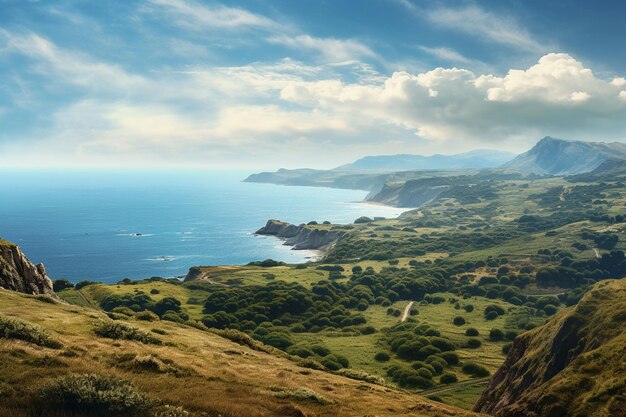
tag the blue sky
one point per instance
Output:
(283, 83)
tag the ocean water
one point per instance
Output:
(107, 226)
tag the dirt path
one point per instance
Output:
(445, 388)
(597, 253)
(407, 311)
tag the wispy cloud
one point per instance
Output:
(493, 27)
(335, 50)
(67, 66)
(446, 54)
(196, 16)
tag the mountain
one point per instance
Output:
(18, 273)
(565, 157)
(572, 366)
(405, 162)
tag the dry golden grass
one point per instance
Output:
(198, 370)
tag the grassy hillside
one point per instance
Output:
(170, 365)
(572, 366)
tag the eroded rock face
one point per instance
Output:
(300, 237)
(571, 366)
(18, 273)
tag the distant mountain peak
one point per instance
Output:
(553, 156)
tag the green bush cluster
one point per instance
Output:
(11, 328)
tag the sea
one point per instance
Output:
(110, 225)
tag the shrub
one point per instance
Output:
(146, 316)
(448, 378)
(475, 370)
(458, 321)
(303, 394)
(492, 315)
(469, 308)
(172, 316)
(123, 310)
(61, 284)
(473, 343)
(361, 376)
(154, 291)
(471, 332)
(117, 330)
(496, 335)
(83, 284)
(363, 219)
(450, 357)
(20, 329)
(331, 363)
(507, 348)
(320, 350)
(93, 393)
(550, 310)
(510, 335)
(382, 357)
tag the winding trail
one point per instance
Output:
(407, 310)
(597, 253)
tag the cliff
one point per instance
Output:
(302, 237)
(18, 273)
(572, 366)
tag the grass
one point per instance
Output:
(120, 330)
(11, 328)
(224, 378)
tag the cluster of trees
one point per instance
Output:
(167, 308)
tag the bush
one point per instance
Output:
(20, 329)
(450, 357)
(83, 284)
(469, 308)
(382, 357)
(146, 316)
(475, 370)
(320, 350)
(458, 321)
(473, 343)
(496, 335)
(93, 393)
(507, 348)
(492, 315)
(303, 394)
(550, 310)
(471, 332)
(117, 330)
(448, 378)
(361, 376)
(61, 284)
(363, 219)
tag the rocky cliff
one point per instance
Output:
(300, 237)
(574, 365)
(18, 273)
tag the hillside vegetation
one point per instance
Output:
(131, 366)
(574, 365)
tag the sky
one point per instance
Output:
(316, 83)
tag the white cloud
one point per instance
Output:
(446, 54)
(490, 26)
(558, 95)
(196, 16)
(67, 66)
(335, 50)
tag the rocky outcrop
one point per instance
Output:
(18, 273)
(572, 366)
(302, 237)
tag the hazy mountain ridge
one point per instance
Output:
(479, 158)
(551, 156)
